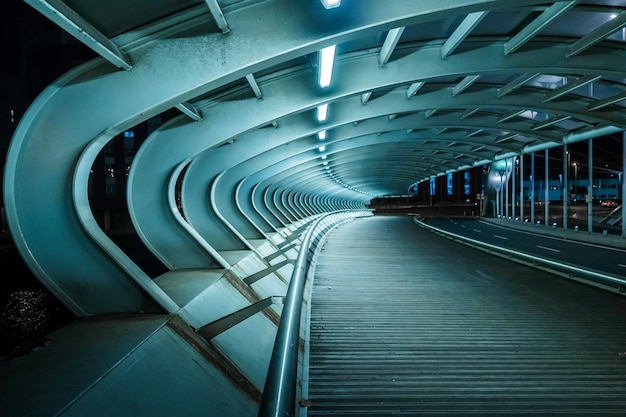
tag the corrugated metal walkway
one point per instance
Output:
(404, 322)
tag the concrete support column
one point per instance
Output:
(546, 192)
(590, 187)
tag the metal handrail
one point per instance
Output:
(279, 393)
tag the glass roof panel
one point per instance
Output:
(577, 23)
(571, 124)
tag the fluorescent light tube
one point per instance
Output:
(326, 61)
(322, 112)
(331, 4)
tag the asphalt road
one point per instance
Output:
(602, 259)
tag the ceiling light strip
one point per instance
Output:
(326, 62)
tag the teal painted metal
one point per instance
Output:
(57, 124)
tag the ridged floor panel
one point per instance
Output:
(404, 322)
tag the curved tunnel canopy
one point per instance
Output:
(418, 90)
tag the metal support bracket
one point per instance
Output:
(251, 279)
(210, 330)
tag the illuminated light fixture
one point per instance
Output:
(325, 163)
(331, 4)
(326, 61)
(321, 134)
(321, 148)
(322, 112)
(323, 156)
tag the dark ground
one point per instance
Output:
(28, 311)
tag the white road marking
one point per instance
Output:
(501, 237)
(622, 265)
(578, 242)
(547, 248)
(476, 230)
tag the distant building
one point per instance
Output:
(603, 189)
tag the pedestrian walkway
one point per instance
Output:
(406, 322)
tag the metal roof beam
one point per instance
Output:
(506, 137)
(190, 110)
(474, 133)
(254, 86)
(516, 83)
(551, 121)
(566, 89)
(597, 35)
(393, 36)
(467, 113)
(464, 84)
(607, 101)
(544, 19)
(218, 16)
(75, 25)
(414, 88)
(430, 113)
(510, 115)
(461, 32)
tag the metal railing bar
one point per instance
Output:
(280, 252)
(210, 330)
(251, 279)
(279, 393)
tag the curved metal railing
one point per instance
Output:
(279, 393)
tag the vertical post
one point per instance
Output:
(521, 187)
(590, 187)
(623, 184)
(430, 190)
(546, 192)
(532, 188)
(497, 213)
(513, 189)
(565, 182)
(506, 196)
(500, 197)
